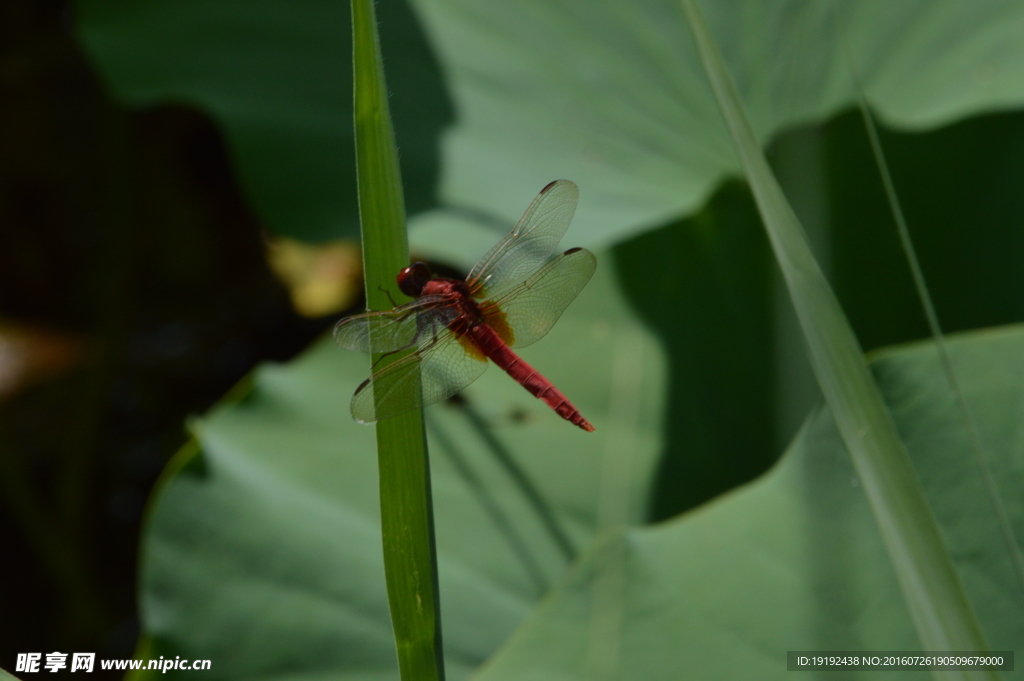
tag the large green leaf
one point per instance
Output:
(610, 95)
(613, 96)
(794, 561)
(264, 553)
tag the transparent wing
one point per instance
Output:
(528, 311)
(441, 368)
(391, 330)
(532, 242)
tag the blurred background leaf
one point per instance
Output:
(277, 77)
(264, 552)
(323, 279)
(31, 354)
(794, 561)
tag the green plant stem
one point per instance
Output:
(407, 526)
(931, 588)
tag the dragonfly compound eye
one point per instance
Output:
(413, 278)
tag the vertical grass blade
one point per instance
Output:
(1002, 518)
(407, 527)
(931, 588)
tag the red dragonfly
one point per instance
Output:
(511, 298)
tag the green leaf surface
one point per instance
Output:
(611, 96)
(276, 75)
(264, 553)
(794, 560)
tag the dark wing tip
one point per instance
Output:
(549, 185)
(359, 414)
(575, 249)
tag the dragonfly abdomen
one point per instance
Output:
(491, 344)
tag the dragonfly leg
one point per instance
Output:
(388, 294)
(388, 354)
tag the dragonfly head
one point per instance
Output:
(413, 278)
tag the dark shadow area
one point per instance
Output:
(128, 256)
(700, 285)
(961, 193)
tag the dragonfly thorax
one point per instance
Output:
(462, 311)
